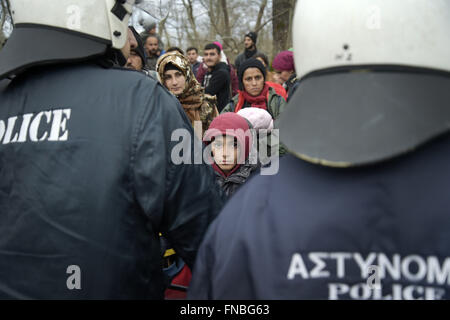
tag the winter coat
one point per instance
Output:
(291, 85)
(195, 68)
(229, 184)
(151, 62)
(202, 70)
(89, 182)
(217, 83)
(242, 57)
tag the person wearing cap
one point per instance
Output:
(87, 179)
(359, 210)
(255, 92)
(137, 59)
(250, 49)
(150, 29)
(230, 139)
(270, 79)
(261, 123)
(284, 67)
(175, 73)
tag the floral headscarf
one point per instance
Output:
(197, 105)
(191, 97)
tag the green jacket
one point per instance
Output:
(276, 104)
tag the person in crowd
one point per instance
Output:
(193, 57)
(233, 73)
(250, 49)
(150, 29)
(136, 54)
(254, 91)
(203, 69)
(231, 140)
(136, 59)
(176, 75)
(151, 44)
(87, 178)
(270, 76)
(217, 81)
(284, 67)
(359, 210)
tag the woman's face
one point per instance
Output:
(175, 81)
(253, 81)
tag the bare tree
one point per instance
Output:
(3, 16)
(197, 22)
(282, 16)
(262, 8)
(188, 5)
(6, 23)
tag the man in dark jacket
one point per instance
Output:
(250, 49)
(217, 80)
(87, 181)
(360, 208)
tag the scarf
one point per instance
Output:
(192, 98)
(250, 53)
(259, 101)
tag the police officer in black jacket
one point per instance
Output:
(87, 180)
(360, 210)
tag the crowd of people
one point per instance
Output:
(222, 98)
(100, 138)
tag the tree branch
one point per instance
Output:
(271, 19)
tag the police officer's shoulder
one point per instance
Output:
(4, 84)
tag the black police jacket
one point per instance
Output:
(313, 232)
(87, 183)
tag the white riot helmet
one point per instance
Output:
(49, 31)
(375, 79)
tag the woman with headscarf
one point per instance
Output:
(175, 73)
(255, 92)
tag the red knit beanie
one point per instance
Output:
(284, 61)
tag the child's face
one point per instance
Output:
(225, 152)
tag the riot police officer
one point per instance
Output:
(86, 177)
